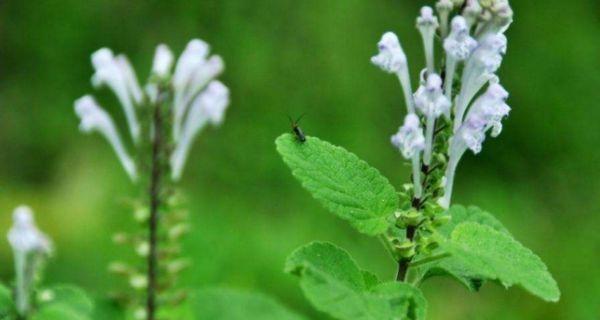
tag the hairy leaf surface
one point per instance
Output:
(343, 183)
(452, 266)
(334, 284)
(491, 254)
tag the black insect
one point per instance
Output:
(297, 130)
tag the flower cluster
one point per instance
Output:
(197, 99)
(472, 36)
(30, 246)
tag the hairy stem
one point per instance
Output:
(155, 202)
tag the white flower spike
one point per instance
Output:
(458, 46)
(208, 107)
(410, 141)
(194, 70)
(117, 74)
(94, 118)
(431, 102)
(427, 24)
(391, 59)
(29, 246)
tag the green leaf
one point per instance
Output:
(6, 303)
(64, 302)
(451, 266)
(491, 254)
(334, 284)
(343, 183)
(228, 304)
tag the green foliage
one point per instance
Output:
(228, 304)
(491, 254)
(334, 284)
(64, 303)
(452, 266)
(6, 302)
(344, 184)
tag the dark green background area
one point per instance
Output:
(541, 177)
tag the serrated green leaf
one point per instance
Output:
(343, 183)
(6, 303)
(229, 304)
(334, 284)
(491, 254)
(451, 266)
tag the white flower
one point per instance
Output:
(497, 17)
(472, 12)
(431, 102)
(117, 74)
(163, 61)
(478, 71)
(208, 107)
(459, 45)
(391, 59)
(427, 23)
(29, 247)
(194, 70)
(487, 112)
(444, 7)
(409, 139)
(94, 118)
(24, 236)
(429, 98)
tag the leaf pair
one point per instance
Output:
(334, 284)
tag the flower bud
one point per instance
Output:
(406, 249)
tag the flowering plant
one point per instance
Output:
(457, 103)
(163, 119)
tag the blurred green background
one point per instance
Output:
(541, 177)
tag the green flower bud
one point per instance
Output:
(142, 249)
(441, 220)
(411, 217)
(138, 281)
(406, 249)
(120, 238)
(118, 267)
(141, 214)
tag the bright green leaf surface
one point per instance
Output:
(452, 266)
(228, 304)
(345, 184)
(334, 284)
(495, 255)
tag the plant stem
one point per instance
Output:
(155, 184)
(404, 262)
